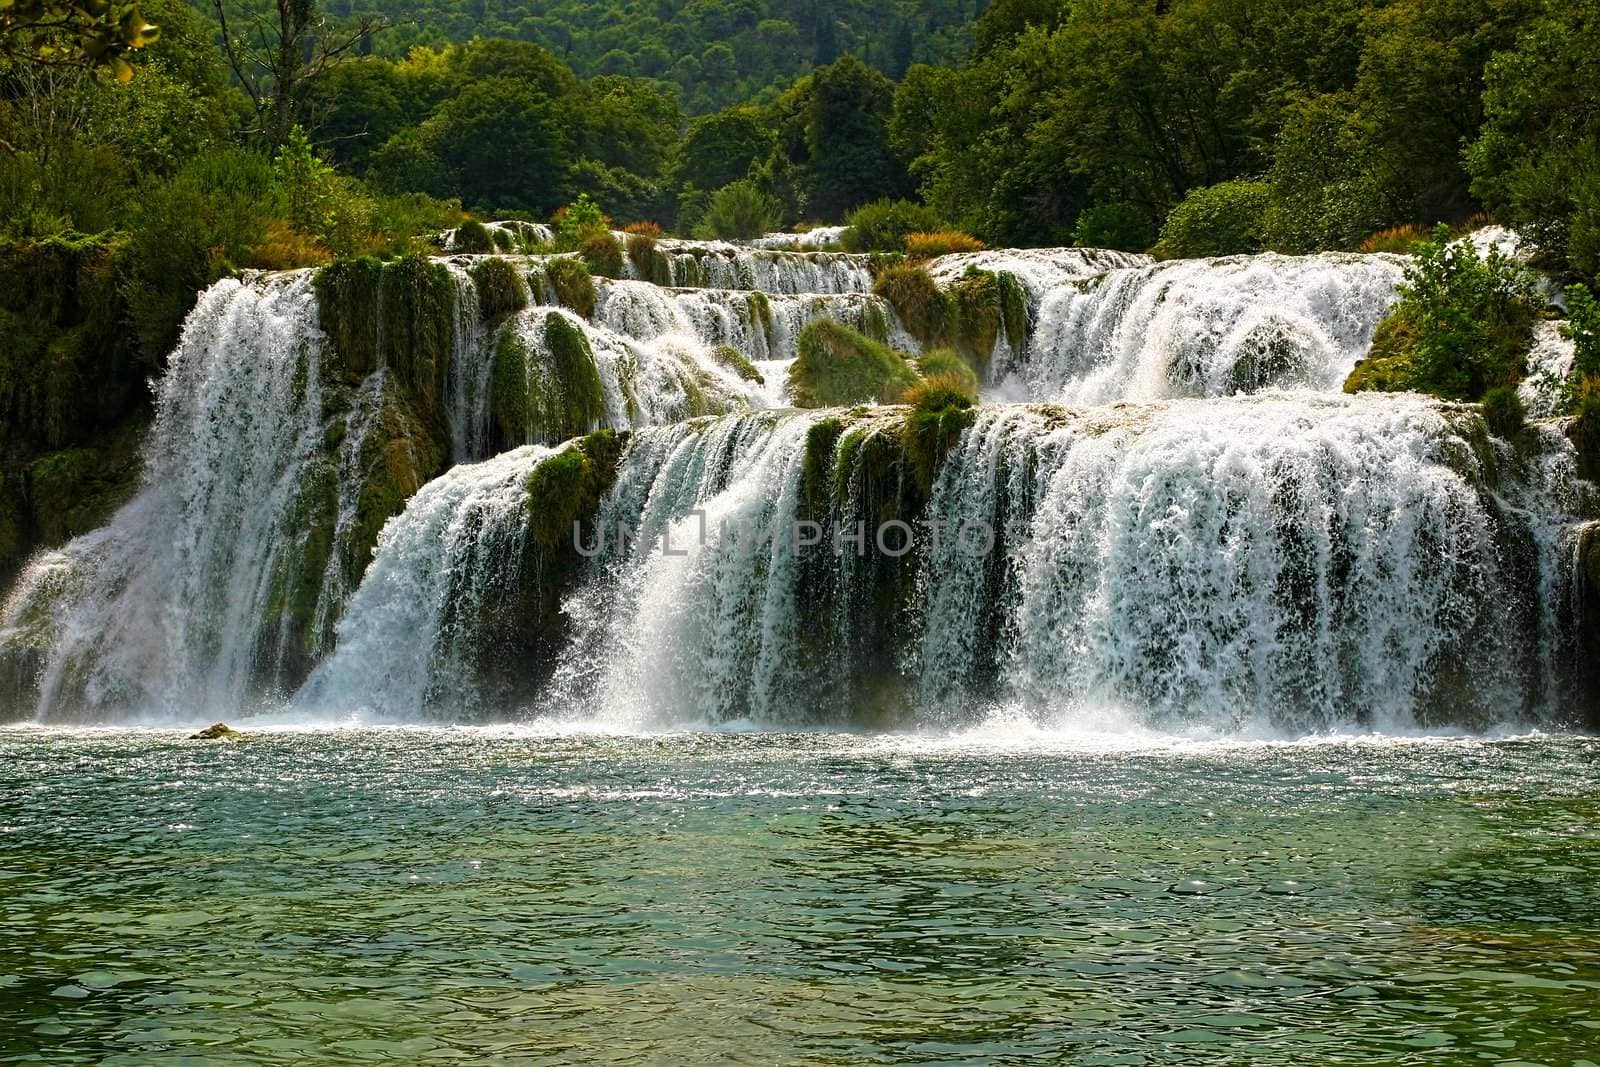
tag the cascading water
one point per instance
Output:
(1208, 327)
(1286, 561)
(168, 602)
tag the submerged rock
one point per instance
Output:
(217, 731)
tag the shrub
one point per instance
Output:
(1582, 328)
(737, 212)
(942, 393)
(940, 243)
(926, 312)
(648, 259)
(1219, 220)
(472, 236)
(285, 247)
(643, 228)
(884, 225)
(1463, 322)
(836, 365)
(501, 289)
(1399, 239)
(945, 365)
(1120, 226)
(602, 254)
(1502, 411)
(572, 285)
(577, 222)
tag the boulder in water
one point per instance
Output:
(217, 731)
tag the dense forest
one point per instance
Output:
(146, 151)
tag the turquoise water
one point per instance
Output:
(484, 895)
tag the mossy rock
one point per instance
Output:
(545, 393)
(650, 263)
(1390, 366)
(567, 487)
(572, 285)
(928, 436)
(501, 290)
(400, 454)
(308, 535)
(76, 490)
(217, 731)
(418, 305)
(927, 313)
(838, 366)
(731, 358)
(816, 474)
(347, 310)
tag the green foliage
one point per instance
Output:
(942, 411)
(602, 254)
(734, 360)
(82, 32)
(737, 211)
(573, 286)
(926, 312)
(1503, 412)
(1462, 325)
(1220, 220)
(566, 488)
(883, 225)
(948, 370)
(1582, 328)
(471, 237)
(501, 289)
(847, 139)
(836, 365)
(1536, 160)
(1122, 226)
(578, 221)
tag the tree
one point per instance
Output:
(827, 38)
(847, 138)
(278, 55)
(83, 33)
(720, 148)
(901, 52)
(504, 144)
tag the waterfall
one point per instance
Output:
(1208, 327)
(168, 604)
(357, 492)
(410, 636)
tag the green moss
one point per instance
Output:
(501, 290)
(602, 254)
(76, 490)
(1390, 365)
(400, 453)
(734, 360)
(417, 306)
(473, 237)
(836, 366)
(1013, 309)
(1503, 411)
(547, 393)
(875, 322)
(649, 261)
(930, 431)
(942, 362)
(567, 487)
(573, 286)
(977, 316)
(822, 440)
(347, 311)
(927, 313)
(296, 585)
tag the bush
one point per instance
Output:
(648, 259)
(943, 364)
(940, 243)
(501, 290)
(1400, 239)
(602, 255)
(1119, 226)
(284, 247)
(942, 393)
(737, 212)
(577, 222)
(836, 365)
(884, 225)
(1219, 220)
(572, 285)
(1502, 411)
(643, 228)
(472, 237)
(925, 311)
(1462, 325)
